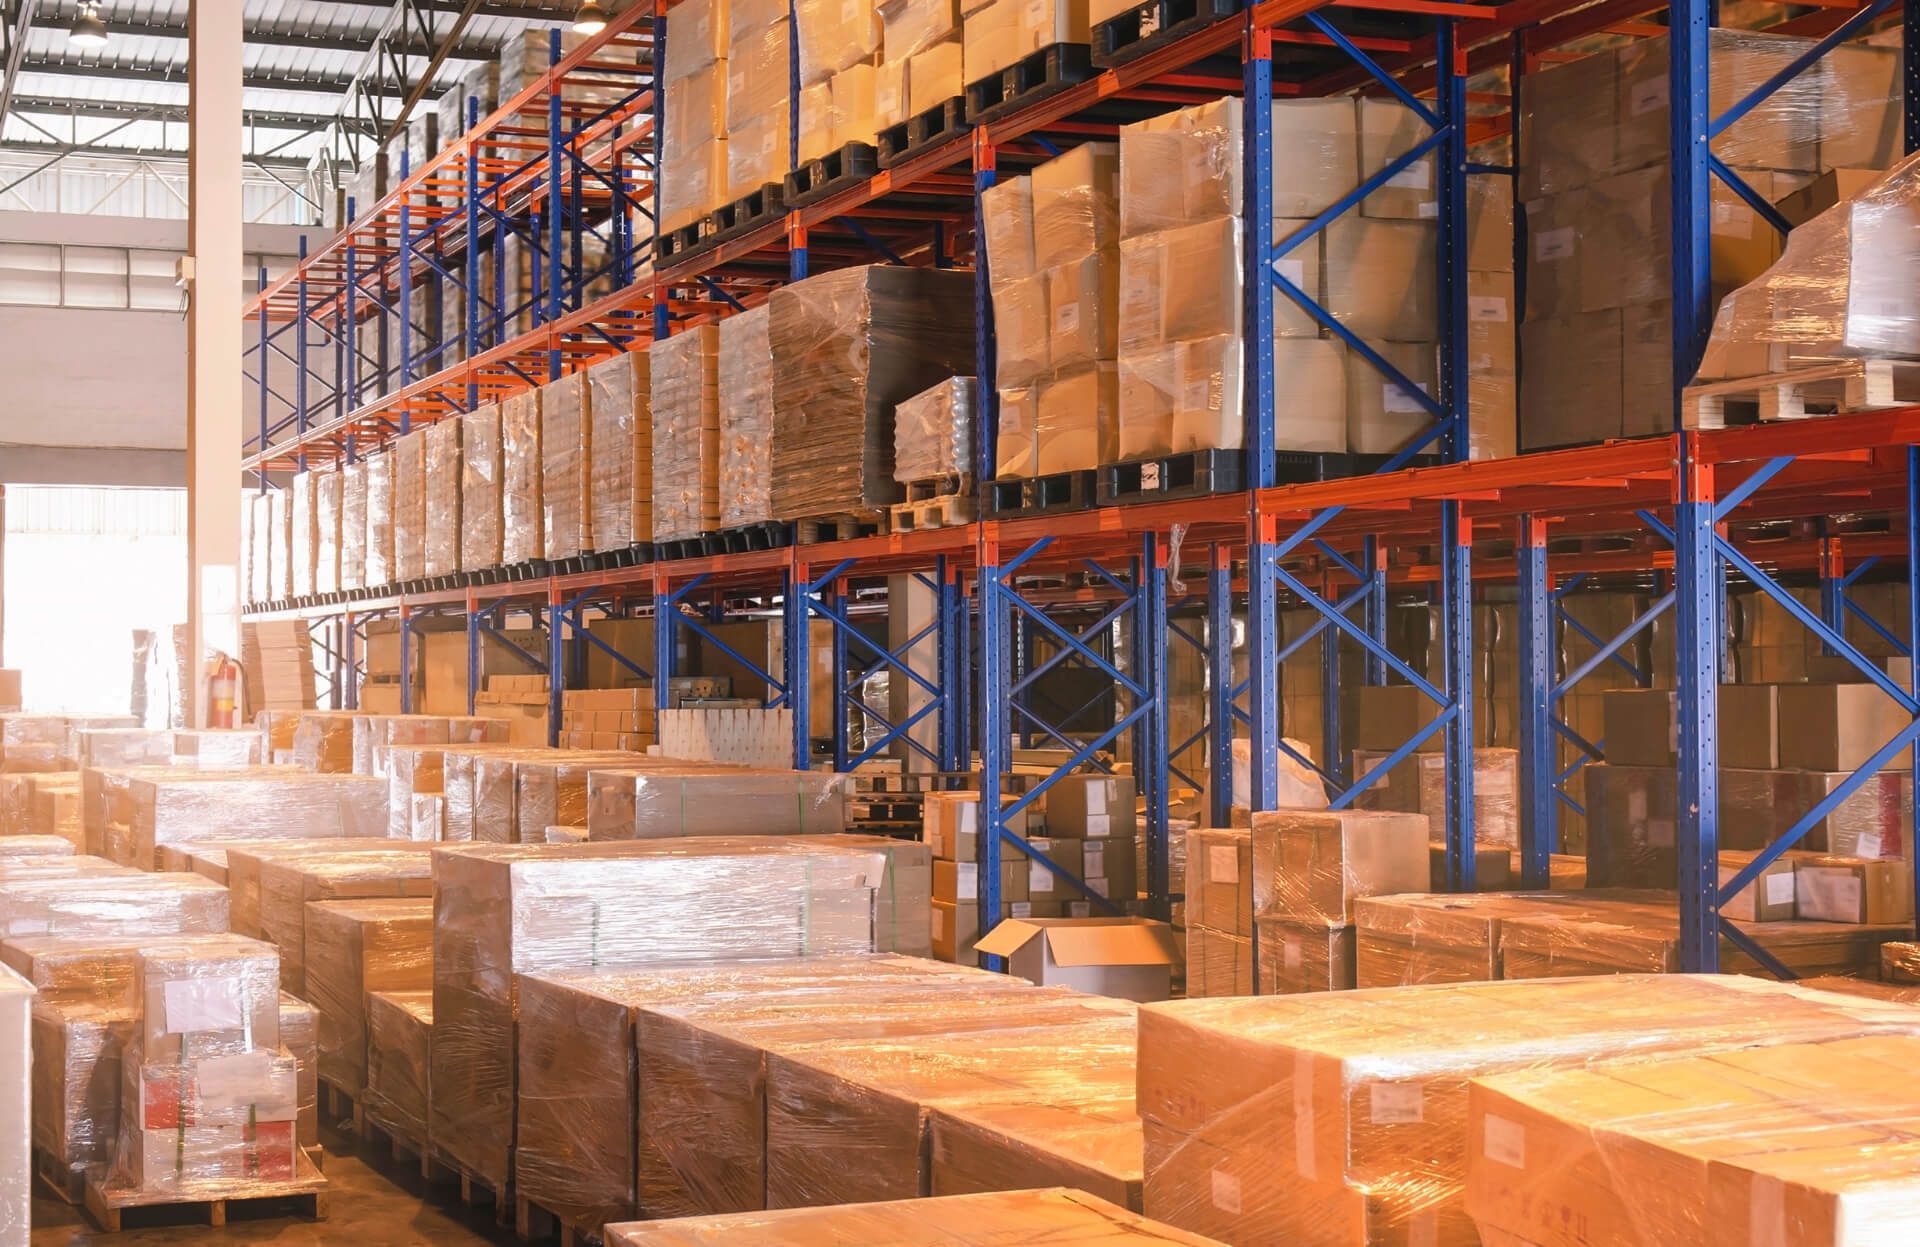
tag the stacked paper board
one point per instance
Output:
(686, 433)
(621, 446)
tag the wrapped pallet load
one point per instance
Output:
(566, 450)
(380, 519)
(933, 432)
(686, 433)
(410, 506)
(619, 401)
(353, 525)
(326, 530)
(279, 544)
(480, 496)
(693, 151)
(756, 78)
(440, 555)
(302, 536)
(522, 531)
(745, 393)
(848, 347)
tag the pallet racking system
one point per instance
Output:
(1692, 509)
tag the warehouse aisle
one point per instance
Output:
(367, 1207)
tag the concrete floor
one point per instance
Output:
(371, 1202)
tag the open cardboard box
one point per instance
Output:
(1128, 958)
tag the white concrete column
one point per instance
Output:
(213, 337)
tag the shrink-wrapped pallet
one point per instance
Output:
(1344, 1117)
(210, 806)
(1317, 863)
(322, 740)
(374, 734)
(380, 497)
(745, 395)
(123, 746)
(399, 1062)
(1496, 792)
(353, 525)
(217, 749)
(686, 433)
(354, 947)
(77, 1046)
(693, 152)
(245, 860)
(504, 910)
(30, 845)
(279, 544)
(1094, 1145)
(933, 432)
(113, 905)
(410, 505)
(758, 73)
(621, 490)
(849, 346)
(326, 530)
(566, 449)
(440, 554)
(832, 36)
(712, 800)
(517, 793)
(299, 1035)
(303, 530)
(288, 884)
(253, 550)
(480, 499)
(522, 534)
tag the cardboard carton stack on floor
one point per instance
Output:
(1219, 911)
(685, 372)
(140, 810)
(952, 832)
(506, 910)
(693, 153)
(620, 399)
(1310, 868)
(1345, 1119)
(1594, 182)
(743, 736)
(607, 718)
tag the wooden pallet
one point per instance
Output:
(112, 1205)
(678, 243)
(842, 526)
(944, 511)
(69, 1182)
(345, 1112)
(840, 168)
(768, 535)
(402, 1149)
(1845, 385)
(746, 213)
(533, 1223)
(929, 127)
(1035, 76)
(1164, 478)
(1153, 24)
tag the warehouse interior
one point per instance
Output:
(959, 623)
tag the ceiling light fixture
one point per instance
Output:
(88, 31)
(590, 19)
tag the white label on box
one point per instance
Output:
(1019, 909)
(1427, 209)
(1290, 953)
(1093, 857)
(1732, 220)
(1079, 909)
(1648, 94)
(1417, 176)
(1226, 1192)
(1397, 401)
(1867, 845)
(210, 1004)
(1553, 244)
(1223, 863)
(967, 881)
(1039, 878)
(1291, 269)
(1637, 805)
(1828, 895)
(1780, 888)
(1395, 1103)
(1066, 318)
(1487, 307)
(1504, 1141)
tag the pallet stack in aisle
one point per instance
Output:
(1219, 913)
(1310, 869)
(276, 663)
(354, 948)
(609, 718)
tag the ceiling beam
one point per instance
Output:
(266, 37)
(291, 163)
(16, 37)
(317, 84)
(115, 110)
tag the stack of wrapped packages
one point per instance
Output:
(480, 497)
(1219, 913)
(685, 371)
(522, 511)
(441, 553)
(920, 63)
(745, 396)
(379, 540)
(693, 150)
(755, 74)
(566, 482)
(848, 347)
(410, 506)
(326, 535)
(933, 435)
(1419, 784)
(302, 536)
(1358, 1117)
(1310, 869)
(504, 911)
(619, 400)
(1594, 182)
(353, 525)
(134, 813)
(355, 948)
(838, 44)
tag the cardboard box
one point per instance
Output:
(956, 882)
(988, 1146)
(1128, 958)
(1076, 202)
(354, 947)
(1007, 209)
(1770, 897)
(1305, 957)
(1387, 715)
(1220, 879)
(1382, 416)
(1388, 129)
(1381, 278)
(1218, 963)
(1315, 863)
(934, 76)
(1851, 889)
(952, 825)
(1316, 155)
(1082, 299)
(1579, 399)
(1837, 727)
(956, 927)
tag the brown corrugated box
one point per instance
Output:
(1316, 863)
(354, 947)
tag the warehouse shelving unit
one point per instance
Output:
(1689, 511)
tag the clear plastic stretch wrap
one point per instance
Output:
(1316, 863)
(933, 432)
(253, 546)
(410, 505)
(326, 529)
(1794, 1144)
(279, 544)
(399, 1062)
(354, 947)
(481, 474)
(289, 884)
(746, 418)
(22, 846)
(990, 1146)
(833, 35)
(621, 487)
(1306, 956)
(302, 531)
(299, 1035)
(504, 910)
(123, 746)
(265, 804)
(1402, 940)
(703, 800)
(77, 1049)
(16, 1124)
(442, 522)
(322, 740)
(374, 734)
(521, 464)
(380, 478)
(686, 433)
(246, 858)
(1001, 1219)
(210, 1101)
(353, 525)
(566, 450)
(134, 903)
(415, 771)
(1343, 1118)
(1843, 288)
(217, 749)
(1496, 791)
(37, 743)
(1900, 962)
(849, 346)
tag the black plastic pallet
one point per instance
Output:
(746, 213)
(844, 526)
(929, 127)
(1042, 495)
(676, 244)
(1164, 478)
(696, 547)
(1154, 24)
(1033, 77)
(840, 168)
(770, 535)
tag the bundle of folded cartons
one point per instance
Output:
(410, 515)
(1056, 1215)
(693, 147)
(326, 528)
(1346, 1119)
(481, 476)
(399, 1063)
(607, 718)
(276, 657)
(620, 495)
(566, 470)
(1219, 913)
(1594, 179)
(848, 346)
(686, 433)
(506, 910)
(440, 542)
(746, 736)
(355, 948)
(1794, 1144)
(136, 811)
(522, 507)
(353, 525)
(1310, 870)
(43, 803)
(379, 541)
(667, 797)
(745, 391)
(933, 432)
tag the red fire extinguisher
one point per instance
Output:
(223, 690)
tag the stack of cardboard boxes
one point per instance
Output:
(620, 493)
(754, 78)
(693, 151)
(685, 372)
(920, 58)
(1309, 869)
(745, 381)
(839, 42)
(607, 718)
(1219, 912)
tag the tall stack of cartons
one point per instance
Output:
(480, 485)
(1594, 181)
(1309, 867)
(522, 513)
(353, 525)
(326, 529)
(1493, 320)
(380, 480)
(745, 378)
(410, 517)
(620, 402)
(566, 449)
(755, 78)
(693, 154)
(685, 372)
(952, 831)
(839, 42)
(302, 536)
(279, 544)
(440, 541)
(253, 546)
(1220, 912)
(1092, 824)
(920, 59)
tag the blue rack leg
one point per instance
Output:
(1220, 711)
(1697, 805)
(995, 729)
(1539, 756)
(1457, 595)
